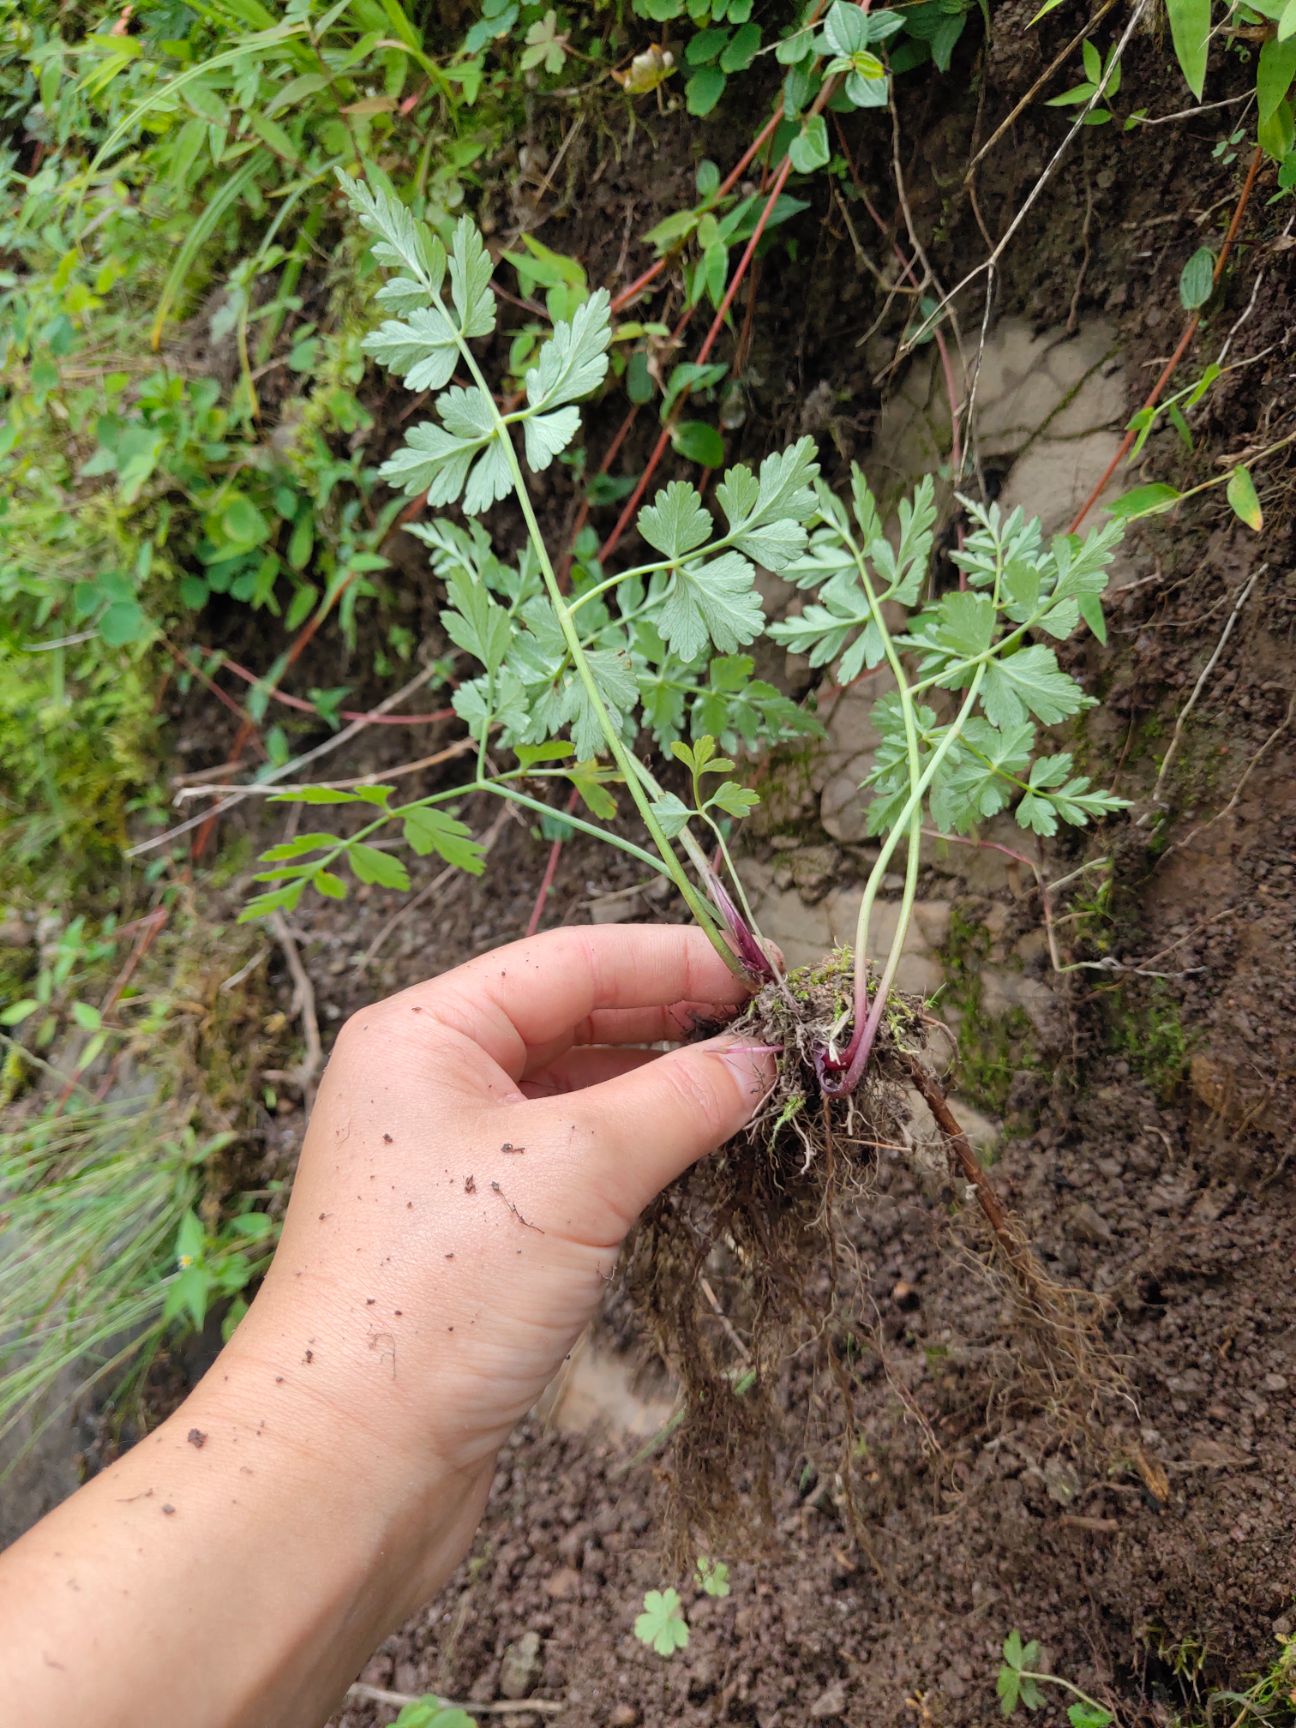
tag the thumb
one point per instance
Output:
(646, 1127)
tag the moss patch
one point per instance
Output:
(1145, 1026)
(993, 1049)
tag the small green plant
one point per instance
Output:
(54, 999)
(1274, 22)
(212, 1266)
(713, 1577)
(661, 1625)
(430, 1712)
(104, 1250)
(570, 678)
(1019, 1683)
(1102, 73)
(1193, 26)
(1271, 1698)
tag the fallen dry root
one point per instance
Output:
(750, 1257)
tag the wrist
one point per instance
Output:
(251, 1521)
(404, 1512)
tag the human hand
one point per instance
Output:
(479, 1148)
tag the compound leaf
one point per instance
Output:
(766, 511)
(574, 360)
(421, 350)
(428, 829)
(548, 435)
(368, 864)
(470, 278)
(403, 242)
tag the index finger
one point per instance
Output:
(533, 993)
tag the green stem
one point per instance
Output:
(1057, 1680)
(499, 786)
(623, 757)
(501, 790)
(863, 1021)
(908, 822)
(697, 857)
(643, 570)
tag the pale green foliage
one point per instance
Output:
(1017, 588)
(713, 1576)
(465, 455)
(100, 1199)
(559, 681)
(662, 1626)
(1012, 1684)
(566, 677)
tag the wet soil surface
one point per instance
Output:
(1149, 1157)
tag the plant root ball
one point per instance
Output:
(750, 1251)
(751, 1255)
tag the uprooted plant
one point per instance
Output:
(574, 675)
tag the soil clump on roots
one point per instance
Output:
(750, 1258)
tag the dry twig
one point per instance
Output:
(1177, 735)
(502, 1707)
(303, 1005)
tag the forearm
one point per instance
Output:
(234, 1570)
(478, 1149)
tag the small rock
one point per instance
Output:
(814, 869)
(830, 1702)
(564, 1585)
(623, 1716)
(616, 908)
(1061, 1480)
(1089, 1224)
(520, 1667)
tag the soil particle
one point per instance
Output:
(521, 1666)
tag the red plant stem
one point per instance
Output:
(222, 696)
(749, 252)
(1181, 348)
(717, 324)
(550, 871)
(622, 300)
(304, 707)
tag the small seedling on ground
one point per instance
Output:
(1020, 1682)
(430, 1712)
(661, 1625)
